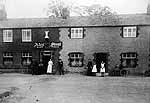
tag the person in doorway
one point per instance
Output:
(94, 69)
(102, 70)
(89, 67)
(60, 67)
(49, 67)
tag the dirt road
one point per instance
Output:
(74, 88)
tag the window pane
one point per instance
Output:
(7, 35)
(26, 35)
(76, 61)
(76, 32)
(130, 60)
(129, 31)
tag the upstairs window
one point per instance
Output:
(26, 35)
(129, 60)
(130, 31)
(8, 58)
(7, 36)
(76, 59)
(26, 58)
(76, 33)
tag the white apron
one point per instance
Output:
(94, 68)
(49, 67)
(102, 67)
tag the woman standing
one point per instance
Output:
(94, 70)
(102, 69)
(49, 67)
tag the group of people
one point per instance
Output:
(60, 67)
(39, 68)
(92, 68)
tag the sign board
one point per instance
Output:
(48, 45)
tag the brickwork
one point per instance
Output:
(107, 39)
(17, 47)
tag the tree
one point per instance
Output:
(3, 14)
(105, 14)
(58, 8)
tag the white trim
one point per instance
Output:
(7, 36)
(76, 33)
(26, 35)
(129, 31)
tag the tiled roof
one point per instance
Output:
(129, 19)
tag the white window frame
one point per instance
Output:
(25, 37)
(74, 56)
(7, 37)
(128, 33)
(28, 56)
(76, 33)
(8, 55)
(132, 56)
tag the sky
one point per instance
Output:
(38, 8)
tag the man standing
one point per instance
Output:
(60, 67)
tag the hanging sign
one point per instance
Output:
(48, 45)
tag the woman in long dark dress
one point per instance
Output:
(89, 66)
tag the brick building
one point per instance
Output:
(75, 40)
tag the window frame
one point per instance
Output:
(77, 33)
(80, 57)
(8, 56)
(6, 35)
(25, 37)
(129, 34)
(128, 57)
(28, 56)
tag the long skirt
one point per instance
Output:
(49, 69)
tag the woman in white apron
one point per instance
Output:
(94, 70)
(102, 69)
(49, 67)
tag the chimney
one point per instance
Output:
(148, 8)
(65, 13)
(3, 14)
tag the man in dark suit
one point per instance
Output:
(60, 67)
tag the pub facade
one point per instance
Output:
(75, 40)
(20, 46)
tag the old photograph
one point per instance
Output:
(74, 51)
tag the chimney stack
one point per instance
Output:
(3, 14)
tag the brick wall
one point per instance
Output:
(107, 39)
(17, 46)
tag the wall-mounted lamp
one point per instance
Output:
(46, 35)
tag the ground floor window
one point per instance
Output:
(8, 58)
(26, 58)
(76, 59)
(129, 60)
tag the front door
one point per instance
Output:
(99, 57)
(46, 56)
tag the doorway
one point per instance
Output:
(46, 56)
(99, 57)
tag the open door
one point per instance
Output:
(99, 57)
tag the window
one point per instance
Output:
(130, 31)
(129, 60)
(26, 58)
(7, 36)
(26, 35)
(7, 58)
(77, 33)
(76, 59)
